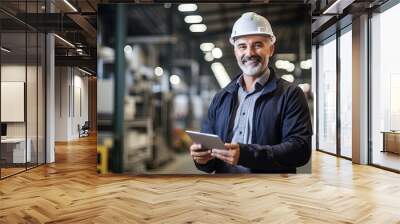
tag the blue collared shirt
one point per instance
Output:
(242, 129)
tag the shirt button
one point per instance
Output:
(240, 132)
(243, 113)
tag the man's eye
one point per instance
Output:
(242, 47)
(258, 45)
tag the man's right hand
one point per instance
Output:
(200, 155)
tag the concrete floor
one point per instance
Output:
(182, 163)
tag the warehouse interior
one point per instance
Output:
(92, 86)
(172, 73)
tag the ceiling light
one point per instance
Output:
(206, 46)
(5, 50)
(158, 71)
(307, 64)
(70, 5)
(279, 64)
(216, 52)
(187, 7)
(285, 65)
(208, 57)
(220, 74)
(196, 28)
(174, 79)
(193, 19)
(84, 71)
(290, 67)
(338, 6)
(64, 40)
(305, 87)
(128, 49)
(288, 77)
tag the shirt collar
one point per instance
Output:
(260, 81)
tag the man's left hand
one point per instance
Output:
(229, 155)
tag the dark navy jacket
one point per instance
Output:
(281, 135)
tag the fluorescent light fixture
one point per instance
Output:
(198, 28)
(216, 52)
(307, 64)
(158, 71)
(84, 71)
(338, 6)
(290, 67)
(305, 87)
(5, 49)
(288, 77)
(334, 5)
(208, 57)
(220, 74)
(206, 46)
(174, 79)
(128, 49)
(64, 40)
(70, 5)
(193, 19)
(285, 65)
(187, 7)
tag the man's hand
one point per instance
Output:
(230, 154)
(200, 155)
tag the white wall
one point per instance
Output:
(12, 73)
(71, 93)
(61, 103)
(33, 126)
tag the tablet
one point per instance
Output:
(208, 141)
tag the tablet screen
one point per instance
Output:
(208, 141)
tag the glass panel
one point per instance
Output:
(385, 84)
(345, 94)
(31, 85)
(13, 87)
(327, 96)
(41, 99)
(31, 97)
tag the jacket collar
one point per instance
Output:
(270, 86)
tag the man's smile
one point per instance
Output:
(253, 60)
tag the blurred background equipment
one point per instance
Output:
(159, 66)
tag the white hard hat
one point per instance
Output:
(251, 23)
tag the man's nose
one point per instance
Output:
(250, 52)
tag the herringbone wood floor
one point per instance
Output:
(70, 191)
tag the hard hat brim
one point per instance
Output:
(232, 39)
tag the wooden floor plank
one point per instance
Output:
(70, 191)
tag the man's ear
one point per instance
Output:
(272, 49)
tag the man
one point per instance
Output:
(264, 120)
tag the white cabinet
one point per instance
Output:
(18, 149)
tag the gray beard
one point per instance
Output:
(252, 70)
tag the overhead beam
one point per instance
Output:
(80, 20)
(44, 22)
(82, 61)
(84, 24)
